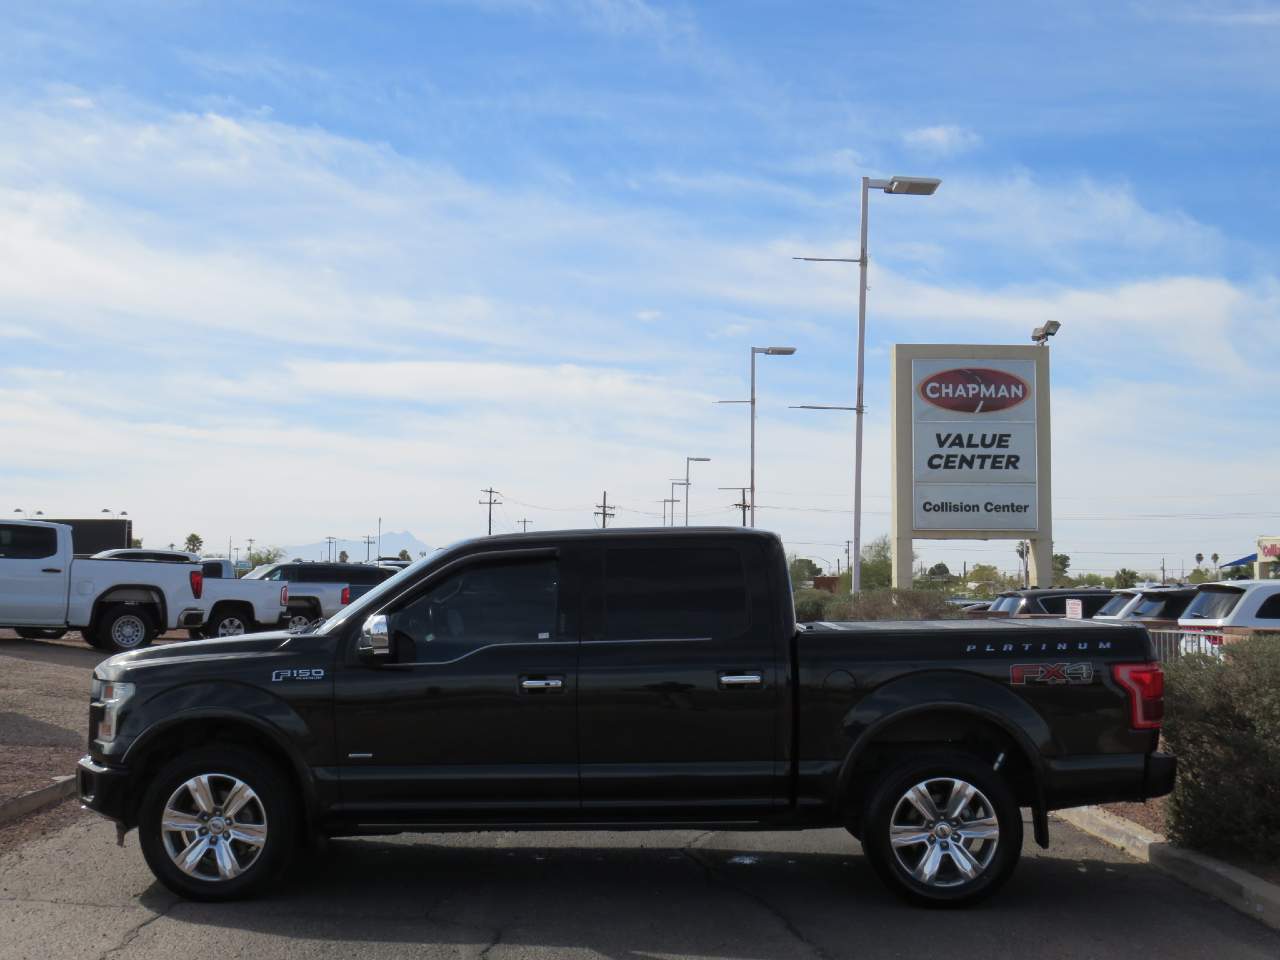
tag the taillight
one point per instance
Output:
(284, 596)
(197, 583)
(346, 595)
(1144, 683)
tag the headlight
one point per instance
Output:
(113, 695)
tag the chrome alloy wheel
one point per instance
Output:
(230, 627)
(128, 631)
(299, 622)
(214, 827)
(944, 832)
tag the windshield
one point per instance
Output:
(1113, 606)
(1213, 604)
(373, 598)
(1006, 604)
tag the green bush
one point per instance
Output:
(873, 605)
(1223, 722)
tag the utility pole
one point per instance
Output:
(330, 543)
(368, 543)
(491, 503)
(250, 554)
(524, 525)
(742, 504)
(603, 510)
(848, 561)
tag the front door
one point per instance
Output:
(678, 685)
(33, 581)
(475, 717)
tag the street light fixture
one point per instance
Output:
(1042, 334)
(768, 352)
(905, 186)
(687, 462)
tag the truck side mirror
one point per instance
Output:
(375, 640)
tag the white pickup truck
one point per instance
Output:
(237, 606)
(116, 604)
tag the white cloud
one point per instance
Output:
(944, 140)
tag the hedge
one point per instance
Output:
(1222, 719)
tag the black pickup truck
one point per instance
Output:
(625, 679)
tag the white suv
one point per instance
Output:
(1233, 608)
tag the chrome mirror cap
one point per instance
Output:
(374, 638)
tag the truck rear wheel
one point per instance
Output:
(942, 829)
(124, 627)
(217, 823)
(229, 621)
(299, 617)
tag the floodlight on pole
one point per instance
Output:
(904, 186)
(1042, 334)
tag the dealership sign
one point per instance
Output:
(974, 445)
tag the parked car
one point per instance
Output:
(319, 590)
(1233, 608)
(1119, 604)
(1159, 608)
(115, 603)
(240, 605)
(621, 679)
(1048, 601)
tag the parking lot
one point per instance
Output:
(67, 891)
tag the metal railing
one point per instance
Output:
(1172, 644)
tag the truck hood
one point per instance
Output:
(196, 652)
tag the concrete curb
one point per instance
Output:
(1237, 888)
(20, 806)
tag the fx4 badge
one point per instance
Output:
(1051, 673)
(313, 673)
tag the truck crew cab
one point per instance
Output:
(620, 679)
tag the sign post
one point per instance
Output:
(971, 458)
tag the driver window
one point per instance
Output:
(479, 606)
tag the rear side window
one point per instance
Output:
(1270, 609)
(27, 543)
(1213, 604)
(1115, 605)
(212, 571)
(1150, 607)
(673, 593)
(1091, 605)
(1056, 605)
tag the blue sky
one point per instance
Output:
(272, 270)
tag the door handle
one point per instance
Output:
(741, 680)
(548, 684)
(51, 570)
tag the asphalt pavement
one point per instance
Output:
(74, 894)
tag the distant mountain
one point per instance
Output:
(392, 544)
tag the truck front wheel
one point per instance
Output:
(942, 829)
(217, 823)
(124, 627)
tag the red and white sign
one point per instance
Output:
(1075, 609)
(974, 390)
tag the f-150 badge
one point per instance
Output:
(1051, 673)
(313, 673)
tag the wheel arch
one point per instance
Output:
(132, 593)
(164, 740)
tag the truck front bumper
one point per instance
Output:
(103, 789)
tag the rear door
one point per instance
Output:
(677, 684)
(33, 578)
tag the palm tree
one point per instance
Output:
(1199, 559)
(195, 543)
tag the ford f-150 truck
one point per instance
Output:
(115, 604)
(623, 680)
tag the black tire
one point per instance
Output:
(298, 610)
(196, 634)
(40, 633)
(229, 620)
(92, 637)
(889, 806)
(123, 627)
(272, 812)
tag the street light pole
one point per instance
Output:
(911, 186)
(690, 460)
(768, 352)
(677, 483)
